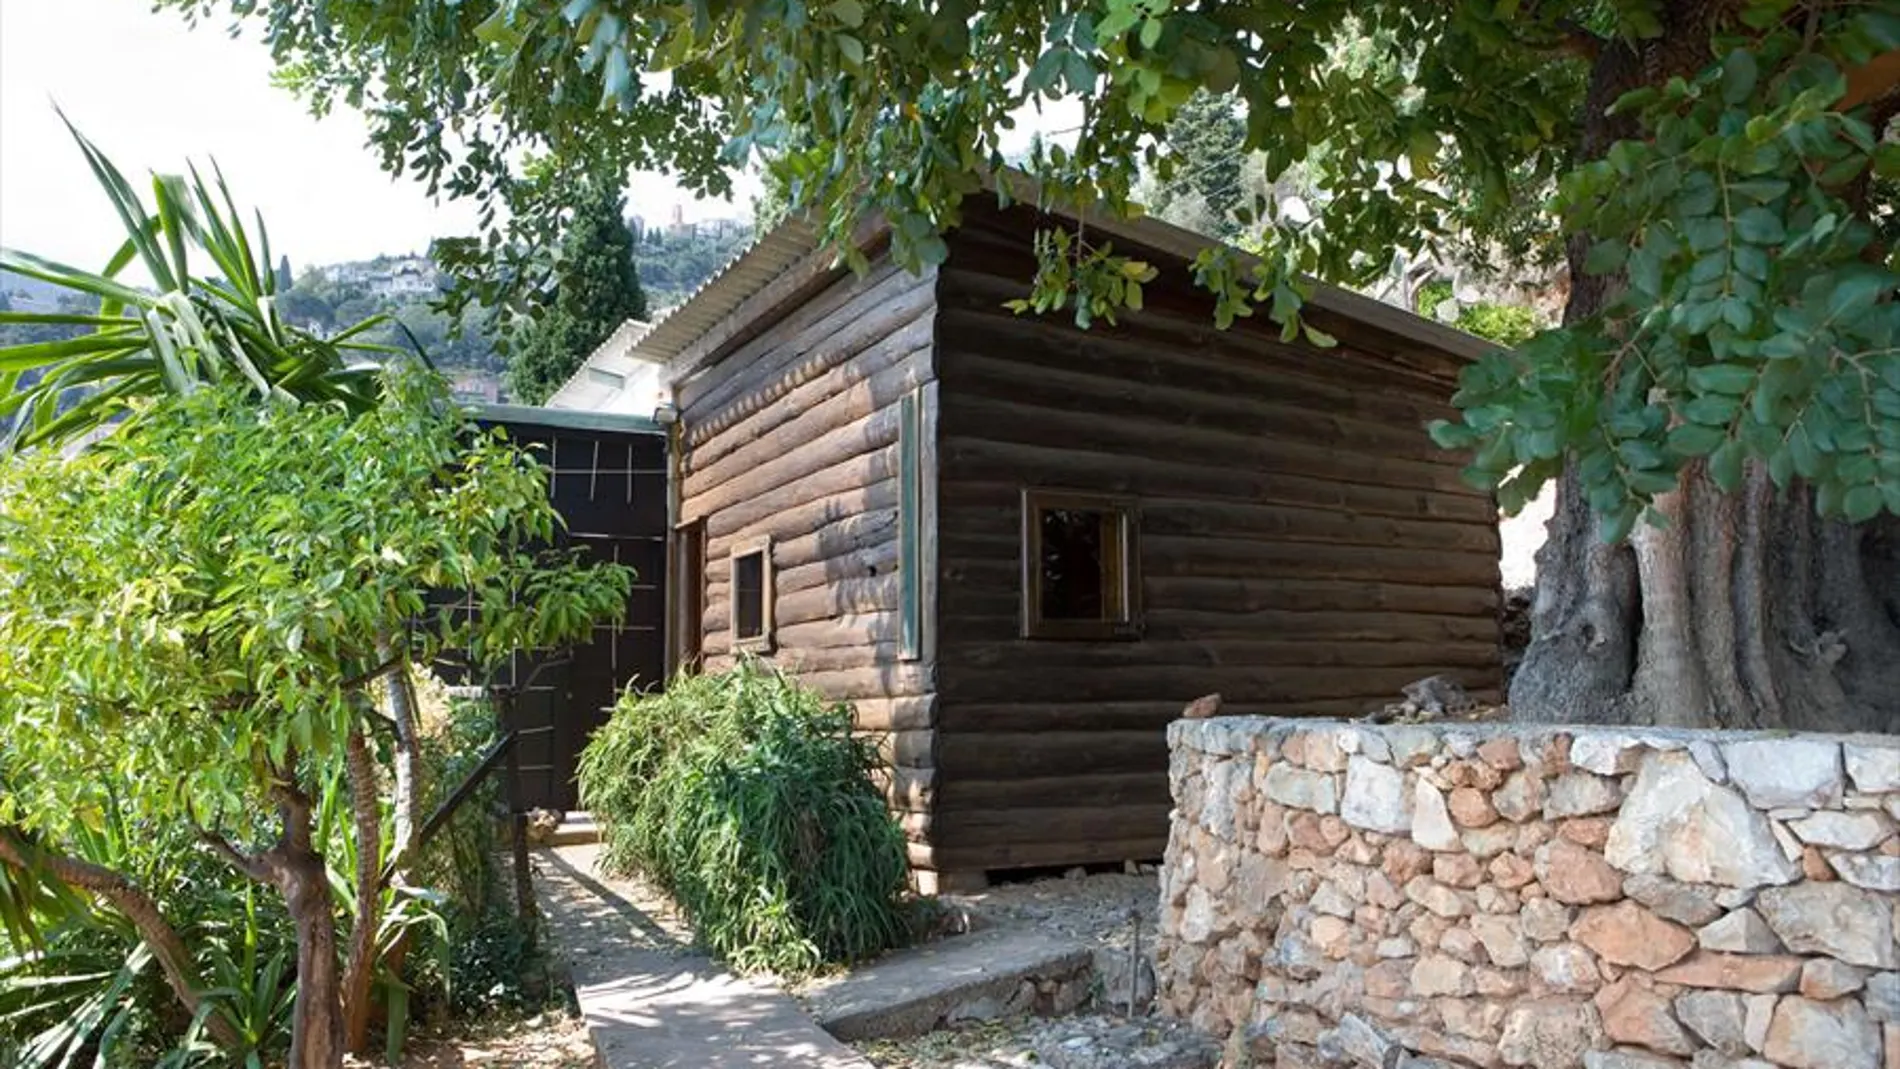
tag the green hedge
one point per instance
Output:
(748, 799)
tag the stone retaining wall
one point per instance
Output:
(1495, 895)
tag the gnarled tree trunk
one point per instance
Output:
(1746, 610)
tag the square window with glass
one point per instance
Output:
(751, 583)
(1080, 566)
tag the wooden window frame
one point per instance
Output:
(762, 642)
(1122, 586)
(689, 594)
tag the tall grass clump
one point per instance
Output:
(746, 797)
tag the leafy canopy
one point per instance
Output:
(1757, 315)
(200, 602)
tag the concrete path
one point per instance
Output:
(1001, 972)
(650, 1001)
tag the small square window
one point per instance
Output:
(1079, 566)
(752, 595)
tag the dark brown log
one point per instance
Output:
(1029, 655)
(1006, 755)
(1035, 825)
(1112, 791)
(1173, 354)
(1084, 388)
(972, 416)
(1184, 683)
(979, 462)
(1148, 847)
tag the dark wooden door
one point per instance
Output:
(608, 481)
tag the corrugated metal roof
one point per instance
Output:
(719, 296)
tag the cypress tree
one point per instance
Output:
(597, 289)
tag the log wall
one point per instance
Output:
(794, 435)
(1304, 547)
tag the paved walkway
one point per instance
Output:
(650, 1001)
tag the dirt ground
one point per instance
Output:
(555, 1039)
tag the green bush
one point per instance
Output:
(748, 799)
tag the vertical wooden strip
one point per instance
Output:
(909, 505)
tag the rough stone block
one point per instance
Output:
(1786, 772)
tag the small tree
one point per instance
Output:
(598, 289)
(198, 609)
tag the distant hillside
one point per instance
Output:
(672, 260)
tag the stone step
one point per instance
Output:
(984, 975)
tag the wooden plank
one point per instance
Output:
(1148, 353)
(974, 460)
(704, 497)
(855, 629)
(767, 434)
(829, 489)
(905, 749)
(1293, 651)
(1010, 755)
(910, 713)
(908, 790)
(1004, 716)
(995, 856)
(974, 416)
(1012, 826)
(778, 362)
(889, 680)
(1086, 388)
(996, 571)
(708, 379)
(971, 792)
(1183, 683)
(908, 348)
(811, 517)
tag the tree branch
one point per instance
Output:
(256, 867)
(167, 946)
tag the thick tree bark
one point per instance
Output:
(359, 969)
(167, 946)
(316, 1038)
(1746, 610)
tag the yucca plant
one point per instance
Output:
(209, 317)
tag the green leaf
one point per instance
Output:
(1861, 503)
(1731, 379)
(1760, 226)
(1739, 73)
(1726, 465)
(1695, 440)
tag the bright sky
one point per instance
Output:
(153, 94)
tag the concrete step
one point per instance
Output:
(987, 974)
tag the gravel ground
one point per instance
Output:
(1099, 910)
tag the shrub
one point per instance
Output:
(748, 799)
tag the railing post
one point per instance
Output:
(525, 912)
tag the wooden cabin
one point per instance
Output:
(1020, 548)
